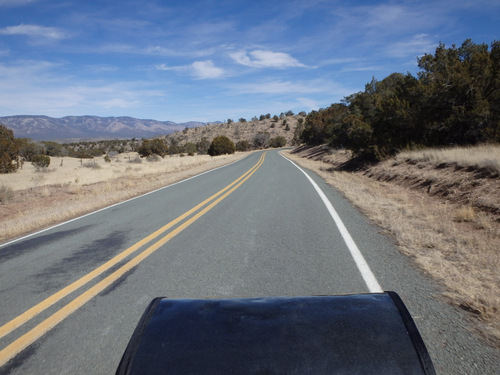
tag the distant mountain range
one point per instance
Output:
(90, 127)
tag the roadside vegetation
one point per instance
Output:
(442, 207)
(420, 157)
(454, 100)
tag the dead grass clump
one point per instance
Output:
(92, 165)
(154, 158)
(6, 194)
(136, 160)
(464, 214)
(43, 169)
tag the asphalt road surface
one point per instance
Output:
(72, 295)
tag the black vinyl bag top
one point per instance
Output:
(346, 334)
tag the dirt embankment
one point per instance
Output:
(442, 210)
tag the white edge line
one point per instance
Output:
(367, 274)
(113, 205)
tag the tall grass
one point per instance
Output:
(483, 156)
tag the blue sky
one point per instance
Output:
(214, 60)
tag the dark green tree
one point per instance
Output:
(221, 145)
(41, 161)
(189, 148)
(155, 146)
(9, 150)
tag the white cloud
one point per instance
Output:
(265, 59)
(34, 31)
(307, 103)
(206, 69)
(199, 69)
(418, 45)
(288, 87)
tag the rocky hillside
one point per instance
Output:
(285, 126)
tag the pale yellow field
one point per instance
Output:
(71, 171)
(31, 199)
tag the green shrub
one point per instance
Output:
(221, 145)
(242, 146)
(155, 146)
(279, 141)
(189, 148)
(40, 161)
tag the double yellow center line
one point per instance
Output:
(34, 334)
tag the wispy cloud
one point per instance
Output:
(35, 31)
(265, 59)
(37, 87)
(289, 87)
(199, 69)
(417, 45)
(13, 3)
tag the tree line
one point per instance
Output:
(15, 151)
(453, 100)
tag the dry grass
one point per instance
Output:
(71, 187)
(455, 243)
(485, 156)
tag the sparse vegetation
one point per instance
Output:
(239, 131)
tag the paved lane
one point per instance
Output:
(258, 229)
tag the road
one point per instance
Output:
(72, 295)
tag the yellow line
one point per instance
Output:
(30, 337)
(45, 304)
